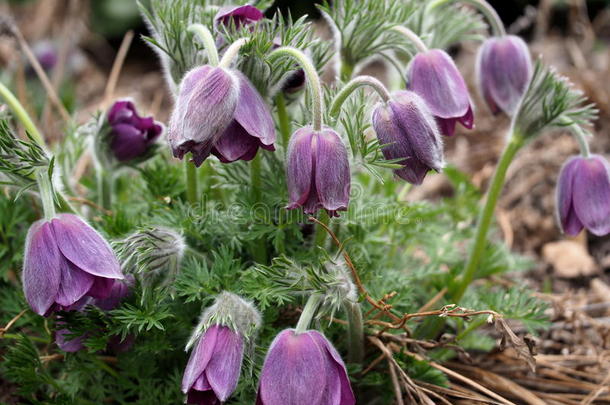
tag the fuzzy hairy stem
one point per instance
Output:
(411, 36)
(495, 22)
(308, 313)
(283, 119)
(231, 53)
(355, 332)
(46, 193)
(105, 188)
(353, 85)
(206, 37)
(21, 115)
(259, 247)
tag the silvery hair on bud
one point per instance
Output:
(341, 288)
(230, 310)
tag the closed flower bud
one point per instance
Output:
(220, 339)
(317, 171)
(68, 343)
(204, 108)
(131, 136)
(504, 70)
(434, 76)
(303, 369)
(121, 289)
(583, 196)
(406, 130)
(239, 16)
(65, 262)
(252, 126)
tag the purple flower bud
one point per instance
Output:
(504, 70)
(213, 369)
(204, 109)
(238, 16)
(406, 128)
(131, 135)
(68, 345)
(66, 261)
(303, 369)
(252, 126)
(317, 171)
(434, 76)
(120, 290)
(583, 196)
(46, 53)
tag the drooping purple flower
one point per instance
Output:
(213, 369)
(583, 195)
(252, 126)
(504, 70)
(120, 290)
(303, 369)
(238, 16)
(65, 262)
(434, 76)
(71, 345)
(317, 171)
(131, 135)
(407, 130)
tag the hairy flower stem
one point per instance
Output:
(105, 188)
(46, 193)
(353, 85)
(259, 247)
(308, 313)
(411, 36)
(192, 186)
(231, 53)
(283, 119)
(209, 43)
(581, 137)
(355, 332)
(495, 22)
(313, 81)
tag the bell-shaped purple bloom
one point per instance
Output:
(434, 76)
(317, 171)
(213, 369)
(238, 16)
(303, 369)
(583, 195)
(504, 70)
(252, 126)
(407, 130)
(131, 135)
(65, 262)
(120, 290)
(204, 109)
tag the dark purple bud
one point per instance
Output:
(213, 369)
(120, 289)
(46, 53)
(238, 16)
(504, 70)
(406, 130)
(583, 196)
(303, 369)
(204, 108)
(317, 172)
(70, 345)
(131, 135)
(252, 126)
(434, 76)
(66, 261)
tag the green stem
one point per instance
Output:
(284, 120)
(105, 188)
(486, 215)
(355, 332)
(411, 36)
(231, 53)
(309, 311)
(353, 85)
(347, 69)
(209, 43)
(495, 22)
(581, 137)
(192, 188)
(313, 81)
(46, 193)
(21, 115)
(320, 235)
(259, 248)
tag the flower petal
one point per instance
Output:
(253, 113)
(566, 216)
(235, 143)
(225, 365)
(332, 171)
(74, 284)
(299, 167)
(591, 195)
(200, 357)
(41, 267)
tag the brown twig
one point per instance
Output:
(115, 72)
(90, 203)
(11, 322)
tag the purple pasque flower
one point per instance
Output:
(120, 290)
(301, 369)
(219, 111)
(252, 126)
(434, 76)
(504, 70)
(70, 345)
(583, 195)
(317, 171)
(238, 16)
(213, 369)
(407, 130)
(131, 136)
(66, 261)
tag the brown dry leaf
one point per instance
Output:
(569, 259)
(524, 350)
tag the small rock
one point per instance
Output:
(569, 259)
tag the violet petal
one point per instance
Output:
(332, 172)
(591, 198)
(200, 357)
(300, 167)
(253, 113)
(225, 365)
